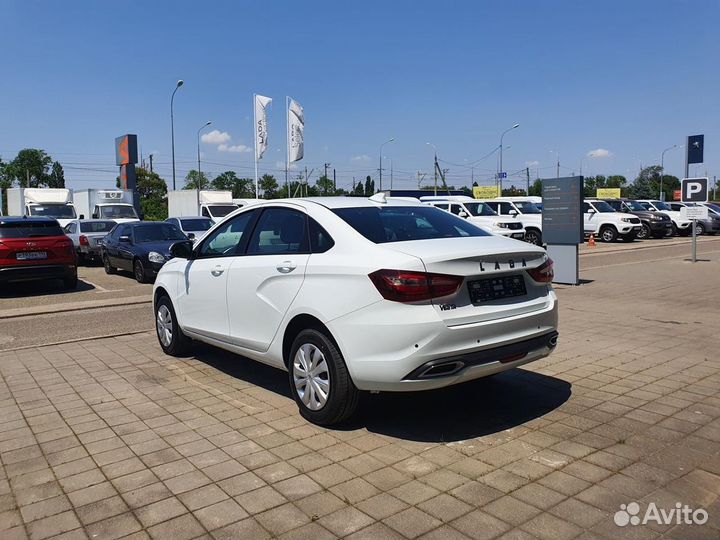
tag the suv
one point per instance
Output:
(522, 209)
(680, 224)
(33, 248)
(478, 213)
(711, 225)
(655, 224)
(601, 219)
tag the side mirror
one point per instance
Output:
(462, 214)
(95, 216)
(141, 217)
(191, 235)
(82, 216)
(513, 212)
(124, 238)
(591, 211)
(181, 250)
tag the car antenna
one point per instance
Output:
(379, 197)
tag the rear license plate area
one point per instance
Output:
(488, 289)
(31, 255)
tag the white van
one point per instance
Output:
(478, 213)
(521, 209)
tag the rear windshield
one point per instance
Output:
(30, 229)
(401, 223)
(97, 226)
(196, 224)
(53, 210)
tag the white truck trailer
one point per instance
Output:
(190, 202)
(114, 204)
(48, 202)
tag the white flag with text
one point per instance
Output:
(261, 128)
(296, 131)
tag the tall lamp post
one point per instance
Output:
(662, 169)
(381, 149)
(198, 148)
(558, 161)
(172, 127)
(435, 164)
(499, 182)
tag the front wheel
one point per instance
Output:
(672, 231)
(699, 229)
(319, 379)
(533, 237)
(139, 271)
(644, 233)
(171, 338)
(109, 269)
(608, 234)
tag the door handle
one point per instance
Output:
(286, 267)
(217, 271)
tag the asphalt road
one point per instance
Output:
(70, 323)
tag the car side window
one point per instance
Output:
(495, 206)
(226, 240)
(586, 208)
(70, 229)
(675, 207)
(279, 231)
(455, 209)
(505, 208)
(320, 240)
(126, 231)
(205, 212)
(441, 206)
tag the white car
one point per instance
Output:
(522, 209)
(681, 225)
(194, 227)
(602, 220)
(352, 295)
(478, 213)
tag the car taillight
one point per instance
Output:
(84, 240)
(404, 286)
(543, 273)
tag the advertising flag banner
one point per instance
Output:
(296, 131)
(261, 127)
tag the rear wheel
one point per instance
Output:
(109, 269)
(171, 338)
(644, 232)
(699, 229)
(319, 379)
(533, 237)
(629, 237)
(672, 231)
(608, 233)
(139, 271)
(70, 283)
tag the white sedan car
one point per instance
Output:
(351, 294)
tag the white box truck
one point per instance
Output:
(48, 202)
(190, 202)
(114, 204)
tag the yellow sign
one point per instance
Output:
(486, 192)
(608, 193)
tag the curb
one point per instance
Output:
(65, 342)
(52, 309)
(688, 242)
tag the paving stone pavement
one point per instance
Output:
(112, 439)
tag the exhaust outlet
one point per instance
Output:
(552, 342)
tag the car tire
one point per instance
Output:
(699, 229)
(70, 283)
(629, 237)
(108, 268)
(340, 400)
(170, 336)
(139, 271)
(533, 237)
(672, 231)
(608, 234)
(644, 232)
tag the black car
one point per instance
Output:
(141, 247)
(655, 224)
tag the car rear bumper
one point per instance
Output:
(37, 272)
(387, 344)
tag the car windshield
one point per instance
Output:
(527, 207)
(661, 205)
(602, 206)
(399, 223)
(120, 211)
(96, 226)
(635, 206)
(715, 208)
(479, 209)
(62, 211)
(158, 232)
(196, 224)
(222, 210)
(539, 206)
(30, 229)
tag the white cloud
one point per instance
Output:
(238, 148)
(534, 163)
(216, 137)
(363, 157)
(599, 153)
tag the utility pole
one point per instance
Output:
(326, 168)
(335, 181)
(306, 182)
(472, 175)
(558, 166)
(391, 174)
(151, 163)
(527, 176)
(436, 171)
(27, 175)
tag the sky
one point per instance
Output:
(606, 85)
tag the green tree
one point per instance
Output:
(242, 188)
(195, 180)
(30, 164)
(325, 186)
(56, 179)
(647, 184)
(268, 186)
(152, 191)
(369, 186)
(359, 190)
(536, 188)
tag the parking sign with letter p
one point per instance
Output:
(694, 190)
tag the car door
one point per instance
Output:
(124, 250)
(111, 246)
(591, 219)
(263, 283)
(202, 292)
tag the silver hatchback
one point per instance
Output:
(87, 234)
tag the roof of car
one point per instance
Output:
(36, 219)
(345, 202)
(187, 217)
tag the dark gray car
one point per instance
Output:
(654, 224)
(711, 225)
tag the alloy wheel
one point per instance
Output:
(311, 376)
(644, 232)
(164, 325)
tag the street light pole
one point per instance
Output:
(198, 148)
(662, 169)
(381, 149)
(435, 164)
(499, 179)
(172, 127)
